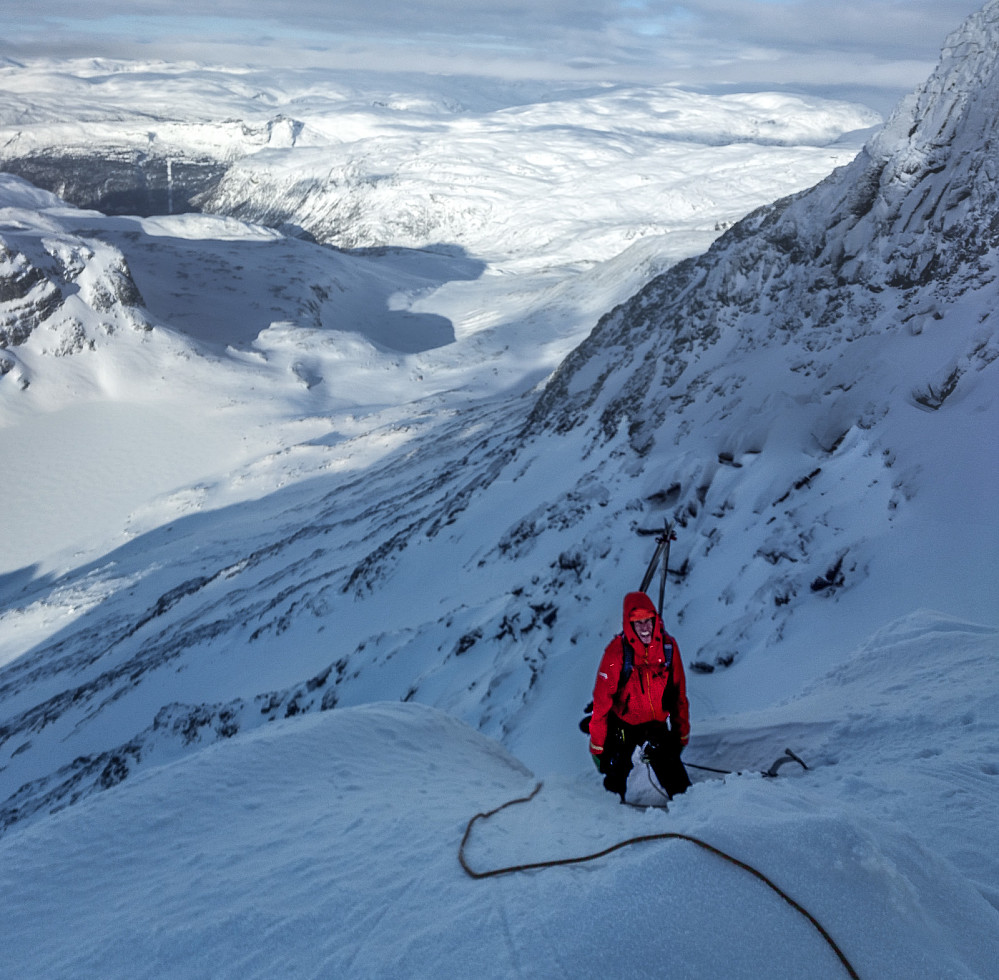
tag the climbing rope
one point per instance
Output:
(644, 838)
(654, 783)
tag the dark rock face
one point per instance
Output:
(27, 297)
(121, 181)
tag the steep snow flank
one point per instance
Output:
(936, 192)
(825, 342)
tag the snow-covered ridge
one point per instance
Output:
(915, 209)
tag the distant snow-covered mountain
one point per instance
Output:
(544, 173)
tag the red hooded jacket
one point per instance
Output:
(641, 698)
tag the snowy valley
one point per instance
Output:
(326, 470)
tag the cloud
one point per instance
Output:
(803, 44)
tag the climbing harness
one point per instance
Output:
(644, 838)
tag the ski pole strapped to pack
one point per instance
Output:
(666, 537)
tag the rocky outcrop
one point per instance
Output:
(43, 281)
(27, 297)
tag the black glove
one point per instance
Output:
(598, 762)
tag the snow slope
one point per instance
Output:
(327, 846)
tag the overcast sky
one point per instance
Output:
(876, 48)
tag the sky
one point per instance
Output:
(880, 49)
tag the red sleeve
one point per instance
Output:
(681, 717)
(608, 675)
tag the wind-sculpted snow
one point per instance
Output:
(176, 730)
(327, 844)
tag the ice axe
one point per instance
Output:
(788, 756)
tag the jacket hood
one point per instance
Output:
(637, 605)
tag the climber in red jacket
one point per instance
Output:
(640, 698)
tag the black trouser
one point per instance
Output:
(663, 754)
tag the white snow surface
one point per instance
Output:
(294, 582)
(327, 846)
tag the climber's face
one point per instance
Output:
(644, 628)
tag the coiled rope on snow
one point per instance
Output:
(644, 838)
